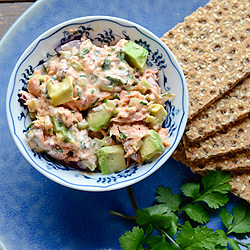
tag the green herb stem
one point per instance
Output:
(241, 243)
(121, 215)
(168, 237)
(132, 198)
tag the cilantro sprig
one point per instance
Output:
(198, 197)
(160, 227)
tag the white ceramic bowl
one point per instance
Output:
(103, 30)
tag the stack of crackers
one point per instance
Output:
(213, 47)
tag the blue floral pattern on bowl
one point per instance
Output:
(110, 33)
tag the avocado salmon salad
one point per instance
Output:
(97, 108)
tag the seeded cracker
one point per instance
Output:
(213, 48)
(230, 108)
(238, 162)
(241, 185)
(179, 154)
(227, 141)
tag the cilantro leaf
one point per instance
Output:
(221, 248)
(216, 182)
(216, 185)
(132, 239)
(191, 189)
(222, 239)
(239, 222)
(226, 217)
(215, 200)
(165, 196)
(197, 212)
(198, 238)
(159, 243)
(233, 244)
(159, 216)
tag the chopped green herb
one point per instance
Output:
(59, 149)
(121, 55)
(143, 103)
(45, 67)
(116, 97)
(78, 95)
(115, 80)
(105, 100)
(92, 91)
(83, 52)
(106, 64)
(97, 52)
(30, 126)
(83, 145)
(123, 136)
(94, 103)
(94, 78)
(63, 75)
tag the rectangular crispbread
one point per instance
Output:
(241, 185)
(233, 106)
(229, 140)
(231, 162)
(213, 47)
(179, 154)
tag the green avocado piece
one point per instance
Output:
(111, 159)
(151, 146)
(41, 78)
(136, 55)
(143, 86)
(61, 131)
(61, 92)
(100, 116)
(159, 113)
(65, 54)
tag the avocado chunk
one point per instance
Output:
(61, 92)
(137, 102)
(65, 54)
(111, 159)
(151, 146)
(136, 55)
(41, 78)
(100, 116)
(143, 86)
(157, 115)
(61, 131)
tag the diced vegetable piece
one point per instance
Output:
(61, 92)
(158, 111)
(100, 116)
(152, 145)
(111, 159)
(61, 131)
(143, 86)
(136, 55)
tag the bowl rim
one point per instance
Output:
(127, 182)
